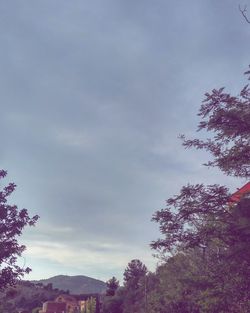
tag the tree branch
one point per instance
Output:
(244, 13)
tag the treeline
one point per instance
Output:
(205, 243)
(27, 296)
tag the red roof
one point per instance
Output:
(241, 192)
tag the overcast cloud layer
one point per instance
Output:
(93, 97)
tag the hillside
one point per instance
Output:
(75, 284)
(26, 295)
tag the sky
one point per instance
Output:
(93, 97)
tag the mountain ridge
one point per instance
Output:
(75, 284)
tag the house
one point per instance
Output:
(53, 307)
(66, 303)
(240, 193)
(72, 305)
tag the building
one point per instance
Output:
(53, 307)
(240, 193)
(66, 303)
(72, 305)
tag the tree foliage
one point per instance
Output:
(112, 286)
(90, 306)
(205, 234)
(228, 119)
(202, 227)
(133, 273)
(193, 218)
(12, 222)
(134, 286)
(27, 296)
(114, 304)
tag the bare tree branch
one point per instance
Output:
(244, 13)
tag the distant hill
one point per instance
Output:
(26, 295)
(75, 284)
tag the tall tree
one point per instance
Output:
(12, 222)
(134, 287)
(114, 304)
(202, 220)
(133, 273)
(200, 213)
(112, 286)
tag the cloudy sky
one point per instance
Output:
(93, 96)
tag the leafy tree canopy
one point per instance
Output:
(205, 240)
(133, 273)
(112, 286)
(12, 222)
(228, 118)
(193, 218)
(202, 227)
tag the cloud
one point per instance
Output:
(93, 98)
(85, 255)
(73, 138)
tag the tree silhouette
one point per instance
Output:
(12, 222)
(112, 286)
(227, 118)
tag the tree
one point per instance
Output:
(90, 306)
(203, 225)
(199, 214)
(112, 286)
(228, 118)
(114, 304)
(134, 287)
(49, 286)
(12, 222)
(174, 291)
(194, 218)
(133, 273)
